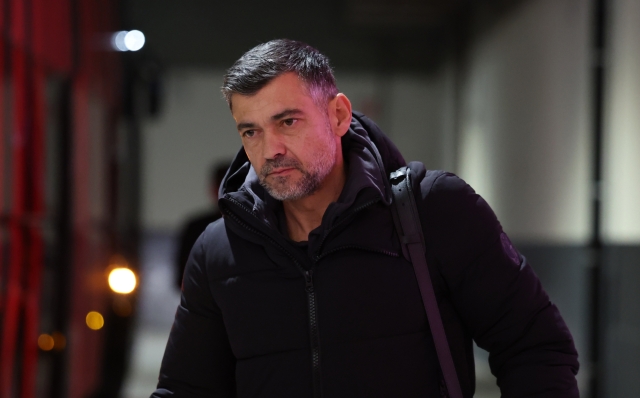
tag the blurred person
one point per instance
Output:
(302, 289)
(192, 229)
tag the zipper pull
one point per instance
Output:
(308, 276)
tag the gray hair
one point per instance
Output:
(263, 63)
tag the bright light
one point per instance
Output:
(134, 40)
(123, 40)
(45, 342)
(95, 321)
(117, 41)
(122, 280)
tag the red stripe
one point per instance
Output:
(2, 154)
(55, 44)
(39, 33)
(17, 28)
(36, 247)
(14, 290)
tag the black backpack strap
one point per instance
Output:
(410, 232)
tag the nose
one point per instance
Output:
(273, 145)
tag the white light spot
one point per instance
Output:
(117, 41)
(122, 280)
(134, 40)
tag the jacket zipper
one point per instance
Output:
(313, 333)
(311, 300)
(311, 294)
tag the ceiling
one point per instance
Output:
(355, 34)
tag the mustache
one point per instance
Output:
(277, 163)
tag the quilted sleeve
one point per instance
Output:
(198, 361)
(497, 294)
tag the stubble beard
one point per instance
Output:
(282, 188)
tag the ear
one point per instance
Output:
(340, 114)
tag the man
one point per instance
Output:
(192, 229)
(302, 289)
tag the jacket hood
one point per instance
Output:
(369, 157)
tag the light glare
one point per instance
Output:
(117, 41)
(122, 280)
(95, 320)
(45, 342)
(134, 40)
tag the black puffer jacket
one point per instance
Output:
(342, 317)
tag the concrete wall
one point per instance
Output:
(524, 120)
(194, 130)
(621, 199)
(621, 189)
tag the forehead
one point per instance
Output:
(284, 92)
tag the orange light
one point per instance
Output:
(94, 320)
(45, 342)
(59, 341)
(122, 280)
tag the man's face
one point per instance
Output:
(287, 138)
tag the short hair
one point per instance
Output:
(263, 63)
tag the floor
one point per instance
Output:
(158, 299)
(157, 303)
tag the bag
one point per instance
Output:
(409, 230)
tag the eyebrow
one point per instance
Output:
(285, 113)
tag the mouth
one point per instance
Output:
(280, 172)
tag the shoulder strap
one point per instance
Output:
(410, 232)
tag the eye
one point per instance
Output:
(289, 122)
(248, 133)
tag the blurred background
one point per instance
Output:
(111, 120)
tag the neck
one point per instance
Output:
(304, 215)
